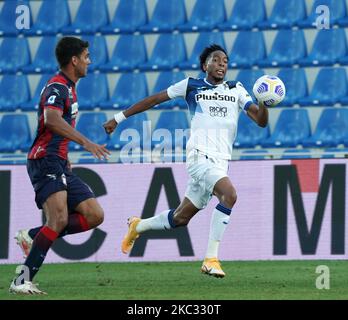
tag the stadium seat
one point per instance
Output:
(45, 59)
(14, 90)
(14, 133)
(330, 87)
(49, 21)
(204, 39)
(164, 80)
(245, 15)
(329, 46)
(291, 129)
(337, 11)
(130, 88)
(248, 77)
(91, 15)
(90, 124)
(171, 131)
(138, 132)
(14, 54)
(333, 152)
(7, 21)
(285, 14)
(92, 90)
(129, 52)
(129, 16)
(288, 48)
(97, 50)
(258, 154)
(248, 49)
(167, 16)
(296, 154)
(169, 51)
(249, 134)
(295, 82)
(331, 129)
(206, 15)
(33, 103)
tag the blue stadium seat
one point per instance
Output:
(245, 15)
(206, 15)
(92, 90)
(254, 154)
(90, 124)
(248, 48)
(45, 59)
(295, 82)
(14, 90)
(14, 54)
(330, 87)
(8, 18)
(331, 129)
(14, 133)
(98, 51)
(129, 52)
(285, 14)
(249, 134)
(130, 88)
(204, 39)
(164, 80)
(296, 154)
(337, 11)
(288, 48)
(33, 103)
(291, 129)
(91, 15)
(175, 133)
(167, 16)
(248, 77)
(329, 46)
(129, 16)
(169, 51)
(53, 15)
(138, 134)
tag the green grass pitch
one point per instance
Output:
(255, 280)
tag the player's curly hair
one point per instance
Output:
(68, 47)
(208, 51)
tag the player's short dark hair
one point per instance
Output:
(208, 51)
(68, 47)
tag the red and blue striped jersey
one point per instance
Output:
(59, 94)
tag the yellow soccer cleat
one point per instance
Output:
(212, 267)
(131, 236)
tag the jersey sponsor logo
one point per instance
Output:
(218, 111)
(74, 110)
(214, 97)
(51, 99)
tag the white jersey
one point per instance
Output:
(214, 113)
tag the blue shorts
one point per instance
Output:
(50, 174)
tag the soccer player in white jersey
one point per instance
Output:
(214, 105)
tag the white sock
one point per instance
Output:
(218, 224)
(158, 222)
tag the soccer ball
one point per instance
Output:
(270, 90)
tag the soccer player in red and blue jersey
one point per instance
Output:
(68, 203)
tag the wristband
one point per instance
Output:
(119, 117)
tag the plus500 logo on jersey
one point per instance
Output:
(215, 97)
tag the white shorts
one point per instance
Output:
(205, 171)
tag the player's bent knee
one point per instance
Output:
(229, 199)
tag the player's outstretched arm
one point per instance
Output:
(54, 122)
(259, 114)
(138, 107)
